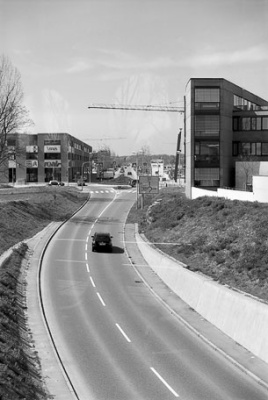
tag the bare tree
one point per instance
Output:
(13, 115)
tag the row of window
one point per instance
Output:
(250, 123)
(244, 104)
(210, 150)
(250, 149)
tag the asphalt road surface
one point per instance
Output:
(114, 338)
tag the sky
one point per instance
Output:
(74, 53)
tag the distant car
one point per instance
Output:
(53, 183)
(102, 241)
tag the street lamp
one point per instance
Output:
(179, 166)
(82, 181)
(137, 173)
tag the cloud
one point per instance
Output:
(118, 60)
(78, 66)
(249, 55)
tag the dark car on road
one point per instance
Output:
(102, 241)
(55, 183)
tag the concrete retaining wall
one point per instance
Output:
(242, 317)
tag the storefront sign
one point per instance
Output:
(52, 164)
(31, 164)
(11, 164)
(52, 149)
(31, 149)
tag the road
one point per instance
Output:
(114, 338)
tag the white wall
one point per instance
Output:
(259, 193)
(241, 317)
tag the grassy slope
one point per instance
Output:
(20, 375)
(23, 215)
(224, 239)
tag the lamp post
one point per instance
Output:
(82, 182)
(137, 173)
(179, 166)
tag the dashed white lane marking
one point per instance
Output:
(92, 282)
(101, 299)
(123, 333)
(87, 267)
(164, 382)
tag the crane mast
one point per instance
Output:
(128, 107)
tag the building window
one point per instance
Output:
(246, 149)
(243, 104)
(207, 153)
(250, 123)
(264, 150)
(249, 149)
(31, 156)
(52, 156)
(207, 98)
(256, 123)
(265, 123)
(207, 177)
(52, 142)
(207, 95)
(246, 124)
(207, 125)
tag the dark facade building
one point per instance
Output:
(224, 123)
(45, 156)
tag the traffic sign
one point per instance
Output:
(148, 184)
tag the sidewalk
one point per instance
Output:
(236, 354)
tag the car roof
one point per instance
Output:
(102, 233)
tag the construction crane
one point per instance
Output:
(165, 108)
(128, 107)
(105, 138)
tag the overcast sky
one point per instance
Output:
(72, 53)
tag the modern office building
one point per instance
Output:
(43, 157)
(224, 125)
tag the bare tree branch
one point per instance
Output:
(13, 114)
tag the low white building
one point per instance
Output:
(157, 168)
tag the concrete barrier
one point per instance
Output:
(242, 317)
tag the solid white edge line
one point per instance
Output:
(92, 282)
(123, 333)
(164, 382)
(101, 299)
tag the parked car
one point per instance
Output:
(102, 241)
(54, 182)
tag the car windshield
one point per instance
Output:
(103, 238)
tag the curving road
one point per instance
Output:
(114, 338)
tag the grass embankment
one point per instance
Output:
(20, 375)
(226, 240)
